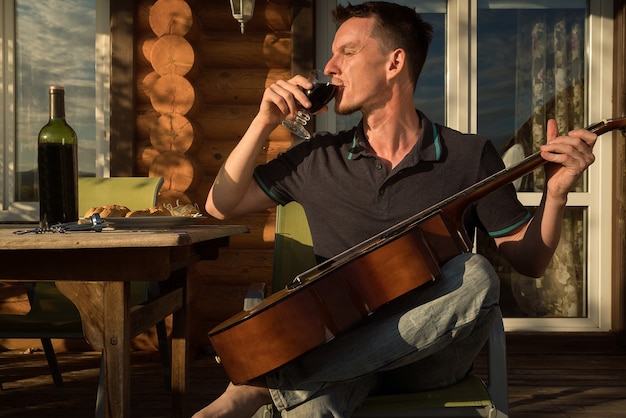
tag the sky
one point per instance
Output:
(55, 46)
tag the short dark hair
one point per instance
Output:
(396, 26)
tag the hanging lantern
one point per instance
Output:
(242, 11)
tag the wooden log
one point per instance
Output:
(174, 132)
(173, 54)
(214, 302)
(212, 154)
(272, 15)
(237, 266)
(143, 151)
(226, 122)
(219, 123)
(173, 93)
(230, 122)
(170, 17)
(261, 224)
(179, 171)
(199, 194)
(144, 123)
(237, 86)
(255, 50)
(145, 157)
(147, 77)
(142, 18)
(145, 44)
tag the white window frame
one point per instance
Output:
(14, 211)
(461, 113)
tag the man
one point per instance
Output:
(355, 184)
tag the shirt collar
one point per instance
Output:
(430, 143)
(358, 147)
(428, 148)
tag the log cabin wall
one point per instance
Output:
(199, 82)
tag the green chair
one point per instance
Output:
(470, 397)
(133, 192)
(53, 315)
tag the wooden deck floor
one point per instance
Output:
(549, 376)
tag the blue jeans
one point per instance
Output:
(426, 338)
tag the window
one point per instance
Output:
(501, 68)
(45, 43)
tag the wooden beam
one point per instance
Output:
(303, 40)
(302, 33)
(122, 87)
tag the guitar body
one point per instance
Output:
(329, 300)
(335, 295)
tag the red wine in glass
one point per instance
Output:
(322, 92)
(319, 95)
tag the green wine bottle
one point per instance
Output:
(57, 157)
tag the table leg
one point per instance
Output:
(117, 338)
(180, 350)
(88, 297)
(105, 312)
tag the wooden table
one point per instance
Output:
(94, 270)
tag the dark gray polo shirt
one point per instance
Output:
(348, 196)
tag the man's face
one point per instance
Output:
(358, 65)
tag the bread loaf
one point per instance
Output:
(120, 211)
(108, 211)
(153, 211)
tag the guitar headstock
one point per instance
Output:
(607, 125)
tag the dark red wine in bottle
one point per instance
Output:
(58, 165)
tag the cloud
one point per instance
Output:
(55, 44)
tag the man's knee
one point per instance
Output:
(479, 273)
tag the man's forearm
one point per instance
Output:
(234, 178)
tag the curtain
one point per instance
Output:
(549, 84)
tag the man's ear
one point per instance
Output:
(397, 61)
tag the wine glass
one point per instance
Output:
(322, 92)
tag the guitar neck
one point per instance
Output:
(453, 207)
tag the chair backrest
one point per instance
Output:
(293, 247)
(133, 192)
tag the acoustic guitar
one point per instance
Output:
(336, 294)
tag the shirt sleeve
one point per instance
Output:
(500, 212)
(283, 177)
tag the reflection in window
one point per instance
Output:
(531, 67)
(560, 292)
(55, 44)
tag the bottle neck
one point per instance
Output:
(57, 104)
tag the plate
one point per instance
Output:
(151, 222)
